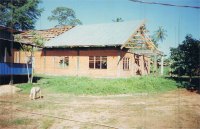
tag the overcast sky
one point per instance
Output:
(177, 21)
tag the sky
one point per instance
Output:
(176, 20)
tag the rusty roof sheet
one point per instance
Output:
(27, 36)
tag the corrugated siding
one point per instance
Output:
(116, 33)
(14, 69)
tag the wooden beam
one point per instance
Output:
(136, 31)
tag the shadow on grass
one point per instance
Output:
(17, 79)
(184, 82)
(36, 79)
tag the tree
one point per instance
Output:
(19, 14)
(38, 41)
(160, 34)
(64, 16)
(186, 57)
(119, 19)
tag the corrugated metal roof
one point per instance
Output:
(110, 34)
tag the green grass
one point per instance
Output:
(91, 86)
(17, 121)
(46, 123)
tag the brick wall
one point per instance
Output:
(47, 62)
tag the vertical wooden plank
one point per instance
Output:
(44, 68)
(54, 64)
(5, 54)
(162, 60)
(77, 67)
(155, 64)
(118, 63)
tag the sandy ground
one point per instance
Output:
(8, 89)
(172, 110)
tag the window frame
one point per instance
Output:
(126, 63)
(64, 63)
(97, 62)
(137, 60)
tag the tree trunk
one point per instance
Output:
(32, 66)
(27, 71)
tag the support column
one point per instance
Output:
(155, 64)
(32, 63)
(5, 54)
(118, 62)
(77, 67)
(11, 62)
(44, 63)
(162, 60)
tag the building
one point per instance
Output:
(9, 70)
(99, 50)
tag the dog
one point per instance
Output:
(34, 92)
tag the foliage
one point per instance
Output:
(186, 57)
(19, 14)
(64, 16)
(160, 34)
(119, 19)
(90, 86)
(154, 41)
(37, 40)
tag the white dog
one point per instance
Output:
(34, 92)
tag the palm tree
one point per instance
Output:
(160, 34)
(119, 19)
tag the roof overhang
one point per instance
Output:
(83, 46)
(148, 52)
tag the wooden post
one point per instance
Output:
(155, 64)
(44, 68)
(32, 63)
(132, 66)
(11, 64)
(5, 52)
(118, 62)
(162, 60)
(142, 65)
(77, 67)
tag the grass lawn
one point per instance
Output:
(91, 86)
(64, 98)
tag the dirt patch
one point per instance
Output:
(8, 89)
(178, 109)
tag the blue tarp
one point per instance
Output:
(15, 69)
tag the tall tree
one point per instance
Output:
(186, 57)
(160, 34)
(19, 14)
(118, 19)
(64, 16)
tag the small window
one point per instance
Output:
(126, 61)
(98, 62)
(64, 62)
